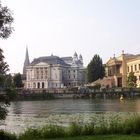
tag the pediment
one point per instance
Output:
(113, 62)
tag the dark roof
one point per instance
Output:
(49, 60)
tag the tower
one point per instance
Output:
(26, 62)
(75, 57)
(81, 58)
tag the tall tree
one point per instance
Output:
(95, 69)
(4, 99)
(17, 80)
(6, 29)
(131, 80)
(6, 20)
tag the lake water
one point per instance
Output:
(24, 114)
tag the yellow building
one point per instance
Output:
(118, 68)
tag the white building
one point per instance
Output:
(54, 72)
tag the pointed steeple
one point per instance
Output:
(26, 62)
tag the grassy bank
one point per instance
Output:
(102, 137)
(114, 128)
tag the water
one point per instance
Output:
(24, 114)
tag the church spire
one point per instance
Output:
(26, 62)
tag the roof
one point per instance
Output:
(50, 60)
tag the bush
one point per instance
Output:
(74, 129)
(52, 131)
(88, 129)
(30, 134)
(132, 125)
(7, 136)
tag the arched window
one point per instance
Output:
(42, 84)
(38, 85)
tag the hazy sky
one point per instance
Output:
(61, 27)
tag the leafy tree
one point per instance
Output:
(17, 80)
(131, 80)
(95, 69)
(6, 20)
(3, 81)
(6, 29)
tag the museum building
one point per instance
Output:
(118, 69)
(53, 72)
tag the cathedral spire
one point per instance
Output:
(26, 62)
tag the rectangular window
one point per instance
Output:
(135, 67)
(131, 68)
(128, 69)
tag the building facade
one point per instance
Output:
(54, 72)
(118, 69)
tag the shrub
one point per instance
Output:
(7, 136)
(52, 131)
(88, 129)
(74, 129)
(30, 134)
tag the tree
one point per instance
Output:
(6, 29)
(6, 20)
(131, 80)
(95, 69)
(3, 78)
(17, 80)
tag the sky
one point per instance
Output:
(63, 27)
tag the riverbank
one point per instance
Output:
(101, 137)
(127, 128)
(69, 93)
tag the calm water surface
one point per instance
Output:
(24, 114)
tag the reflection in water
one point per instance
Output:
(25, 114)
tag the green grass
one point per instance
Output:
(100, 137)
(113, 126)
(111, 129)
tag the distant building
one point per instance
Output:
(118, 68)
(54, 72)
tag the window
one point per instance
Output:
(38, 85)
(131, 68)
(42, 84)
(135, 67)
(128, 69)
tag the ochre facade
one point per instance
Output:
(118, 68)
